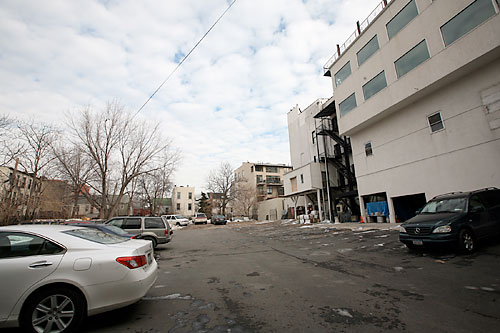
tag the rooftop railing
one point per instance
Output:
(360, 27)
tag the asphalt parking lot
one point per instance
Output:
(284, 277)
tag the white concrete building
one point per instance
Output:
(183, 201)
(418, 92)
(321, 160)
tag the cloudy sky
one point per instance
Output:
(227, 102)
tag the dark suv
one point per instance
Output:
(155, 229)
(459, 218)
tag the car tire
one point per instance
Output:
(35, 315)
(152, 240)
(178, 224)
(466, 241)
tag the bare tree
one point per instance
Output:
(120, 149)
(245, 197)
(76, 168)
(222, 180)
(155, 185)
(35, 158)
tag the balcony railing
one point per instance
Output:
(360, 27)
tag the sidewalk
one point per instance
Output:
(354, 226)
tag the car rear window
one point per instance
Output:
(201, 215)
(96, 235)
(154, 223)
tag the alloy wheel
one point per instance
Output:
(468, 242)
(53, 314)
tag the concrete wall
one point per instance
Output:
(407, 158)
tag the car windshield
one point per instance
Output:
(200, 215)
(453, 205)
(179, 217)
(96, 235)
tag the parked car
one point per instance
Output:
(53, 276)
(177, 219)
(110, 229)
(153, 228)
(200, 218)
(460, 218)
(218, 219)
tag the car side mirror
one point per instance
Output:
(418, 211)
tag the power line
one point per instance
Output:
(185, 57)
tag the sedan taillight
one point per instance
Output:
(166, 232)
(132, 262)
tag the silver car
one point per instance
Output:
(53, 276)
(153, 228)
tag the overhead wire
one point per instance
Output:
(184, 58)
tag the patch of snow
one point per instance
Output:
(471, 288)
(343, 313)
(398, 269)
(173, 296)
(382, 236)
(487, 289)
(381, 244)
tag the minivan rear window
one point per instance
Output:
(154, 223)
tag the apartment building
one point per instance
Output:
(323, 175)
(19, 192)
(417, 90)
(183, 201)
(266, 178)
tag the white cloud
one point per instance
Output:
(228, 101)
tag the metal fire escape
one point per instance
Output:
(327, 127)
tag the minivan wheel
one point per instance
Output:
(152, 240)
(466, 242)
(54, 310)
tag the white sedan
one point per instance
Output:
(52, 277)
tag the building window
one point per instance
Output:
(251, 168)
(190, 195)
(190, 206)
(178, 206)
(260, 179)
(368, 149)
(273, 179)
(347, 104)
(302, 178)
(435, 122)
(272, 169)
(412, 59)
(178, 195)
(343, 73)
(374, 85)
(367, 50)
(398, 22)
(269, 190)
(293, 183)
(469, 18)
(258, 168)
